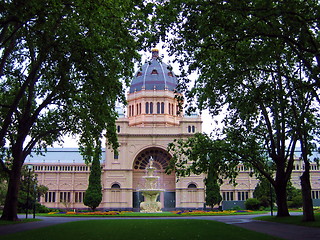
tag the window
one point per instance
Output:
(154, 71)
(189, 129)
(64, 196)
(50, 197)
(139, 74)
(227, 196)
(78, 197)
(118, 129)
(162, 108)
(151, 107)
(193, 129)
(169, 108)
(170, 74)
(315, 194)
(115, 156)
(242, 196)
(139, 108)
(158, 108)
(192, 185)
(115, 185)
(147, 108)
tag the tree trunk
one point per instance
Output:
(10, 209)
(281, 198)
(308, 215)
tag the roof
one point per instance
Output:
(58, 155)
(154, 75)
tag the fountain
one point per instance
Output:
(151, 192)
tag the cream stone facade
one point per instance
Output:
(152, 120)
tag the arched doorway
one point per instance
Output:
(167, 182)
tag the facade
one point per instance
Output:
(153, 120)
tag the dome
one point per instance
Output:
(154, 75)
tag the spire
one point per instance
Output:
(155, 53)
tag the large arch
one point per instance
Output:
(166, 182)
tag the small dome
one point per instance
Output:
(154, 75)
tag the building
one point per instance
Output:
(153, 120)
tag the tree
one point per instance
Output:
(263, 192)
(213, 196)
(93, 195)
(260, 60)
(29, 190)
(62, 68)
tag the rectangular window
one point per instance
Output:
(50, 197)
(79, 197)
(64, 196)
(242, 196)
(315, 194)
(162, 108)
(227, 196)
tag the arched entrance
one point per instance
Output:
(167, 182)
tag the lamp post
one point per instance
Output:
(271, 201)
(29, 167)
(35, 197)
(270, 163)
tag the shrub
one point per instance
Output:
(41, 208)
(252, 204)
(296, 202)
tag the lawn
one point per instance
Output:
(155, 229)
(22, 220)
(296, 220)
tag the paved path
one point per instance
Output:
(284, 231)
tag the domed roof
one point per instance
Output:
(154, 75)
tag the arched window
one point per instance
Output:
(139, 108)
(162, 108)
(115, 185)
(169, 108)
(132, 110)
(147, 108)
(189, 129)
(129, 110)
(118, 129)
(151, 107)
(193, 129)
(192, 185)
(158, 107)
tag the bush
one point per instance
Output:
(296, 202)
(42, 209)
(252, 204)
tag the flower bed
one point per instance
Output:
(200, 212)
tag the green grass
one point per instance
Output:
(155, 229)
(2, 222)
(296, 220)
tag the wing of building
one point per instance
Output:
(152, 120)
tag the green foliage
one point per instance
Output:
(29, 190)
(93, 195)
(258, 63)
(252, 204)
(262, 192)
(63, 67)
(213, 196)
